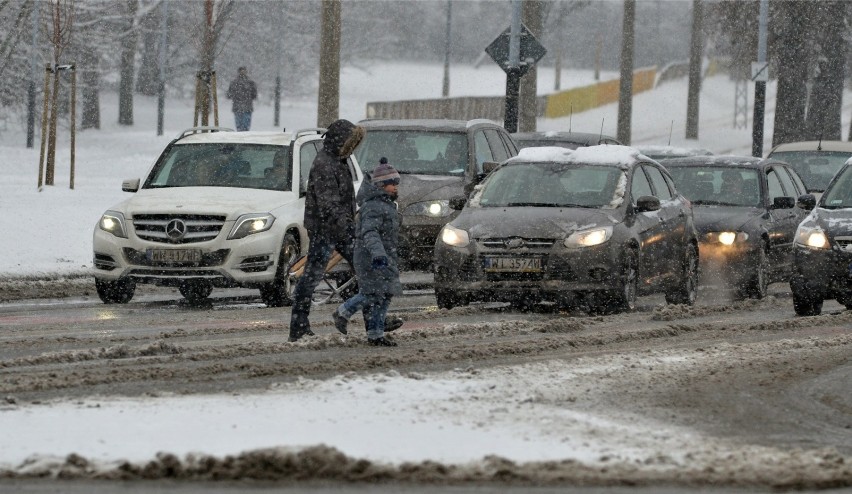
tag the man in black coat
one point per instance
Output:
(329, 216)
(242, 92)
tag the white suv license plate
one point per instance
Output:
(174, 255)
(512, 264)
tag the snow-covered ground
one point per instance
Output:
(48, 233)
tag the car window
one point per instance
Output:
(786, 181)
(481, 149)
(306, 159)
(554, 185)
(775, 189)
(510, 144)
(641, 186)
(421, 152)
(800, 186)
(840, 193)
(660, 185)
(217, 165)
(717, 185)
(498, 148)
(815, 167)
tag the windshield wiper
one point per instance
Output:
(534, 204)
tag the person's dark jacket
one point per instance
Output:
(377, 233)
(243, 92)
(330, 193)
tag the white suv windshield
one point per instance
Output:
(252, 166)
(815, 167)
(415, 151)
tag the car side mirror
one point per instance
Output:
(457, 203)
(784, 202)
(489, 166)
(647, 203)
(130, 185)
(806, 202)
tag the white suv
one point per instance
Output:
(218, 209)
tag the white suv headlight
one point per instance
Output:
(812, 237)
(589, 238)
(456, 237)
(113, 222)
(434, 209)
(249, 224)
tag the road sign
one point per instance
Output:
(530, 53)
(760, 71)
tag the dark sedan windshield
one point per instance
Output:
(254, 166)
(815, 167)
(840, 194)
(554, 185)
(717, 185)
(419, 152)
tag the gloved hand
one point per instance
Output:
(380, 262)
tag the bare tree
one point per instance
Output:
(329, 75)
(625, 90)
(211, 30)
(59, 20)
(792, 61)
(824, 103)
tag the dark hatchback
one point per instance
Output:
(437, 159)
(822, 264)
(568, 140)
(746, 216)
(592, 227)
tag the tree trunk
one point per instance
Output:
(128, 55)
(90, 115)
(329, 73)
(824, 103)
(147, 82)
(793, 60)
(531, 17)
(696, 56)
(625, 89)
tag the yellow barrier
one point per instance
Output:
(584, 98)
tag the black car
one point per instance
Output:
(822, 264)
(815, 161)
(746, 216)
(438, 159)
(568, 140)
(592, 228)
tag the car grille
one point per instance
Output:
(844, 243)
(517, 242)
(177, 229)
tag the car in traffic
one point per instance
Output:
(815, 161)
(746, 216)
(822, 264)
(217, 209)
(568, 140)
(437, 159)
(593, 228)
(659, 152)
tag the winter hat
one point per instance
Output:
(385, 173)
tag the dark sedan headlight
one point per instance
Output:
(249, 224)
(433, 209)
(728, 238)
(589, 238)
(456, 237)
(113, 222)
(812, 237)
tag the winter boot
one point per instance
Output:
(381, 341)
(393, 323)
(340, 322)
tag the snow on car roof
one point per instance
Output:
(609, 154)
(814, 146)
(274, 138)
(664, 150)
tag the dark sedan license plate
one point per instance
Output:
(174, 255)
(512, 264)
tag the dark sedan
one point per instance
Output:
(589, 228)
(746, 216)
(822, 265)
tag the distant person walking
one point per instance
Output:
(329, 216)
(242, 92)
(376, 259)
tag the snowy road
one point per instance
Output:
(726, 393)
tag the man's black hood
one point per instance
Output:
(342, 137)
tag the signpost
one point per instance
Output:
(529, 51)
